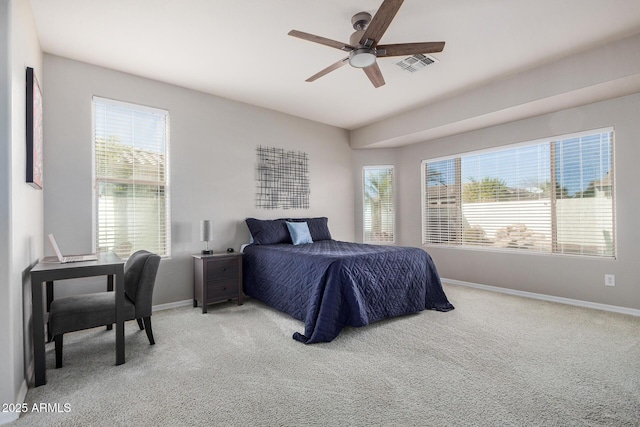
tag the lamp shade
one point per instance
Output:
(206, 230)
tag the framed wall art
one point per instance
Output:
(34, 130)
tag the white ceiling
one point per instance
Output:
(239, 49)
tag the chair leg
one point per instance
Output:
(58, 344)
(140, 324)
(109, 327)
(147, 327)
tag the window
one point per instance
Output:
(379, 212)
(550, 196)
(131, 180)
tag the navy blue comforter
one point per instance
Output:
(330, 284)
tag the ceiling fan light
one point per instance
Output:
(362, 57)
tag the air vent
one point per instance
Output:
(416, 62)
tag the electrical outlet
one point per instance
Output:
(609, 280)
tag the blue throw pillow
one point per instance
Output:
(299, 232)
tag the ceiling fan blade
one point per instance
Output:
(404, 49)
(329, 69)
(380, 22)
(321, 40)
(375, 75)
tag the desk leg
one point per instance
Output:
(109, 289)
(49, 295)
(240, 285)
(120, 315)
(49, 300)
(39, 360)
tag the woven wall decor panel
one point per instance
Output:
(282, 179)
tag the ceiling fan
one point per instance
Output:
(363, 45)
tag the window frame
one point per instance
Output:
(553, 219)
(167, 170)
(390, 168)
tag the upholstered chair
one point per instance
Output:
(79, 312)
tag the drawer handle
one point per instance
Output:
(224, 288)
(224, 268)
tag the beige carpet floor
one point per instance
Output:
(496, 360)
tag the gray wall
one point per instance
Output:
(213, 156)
(563, 276)
(605, 72)
(20, 205)
(7, 316)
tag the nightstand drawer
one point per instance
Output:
(220, 289)
(223, 269)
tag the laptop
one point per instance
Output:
(70, 258)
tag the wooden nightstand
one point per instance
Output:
(217, 277)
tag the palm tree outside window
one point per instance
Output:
(378, 204)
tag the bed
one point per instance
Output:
(330, 284)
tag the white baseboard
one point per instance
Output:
(7, 417)
(171, 305)
(561, 300)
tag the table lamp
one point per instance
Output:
(206, 234)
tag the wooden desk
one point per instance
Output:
(45, 272)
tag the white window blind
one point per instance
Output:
(131, 179)
(378, 206)
(551, 196)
